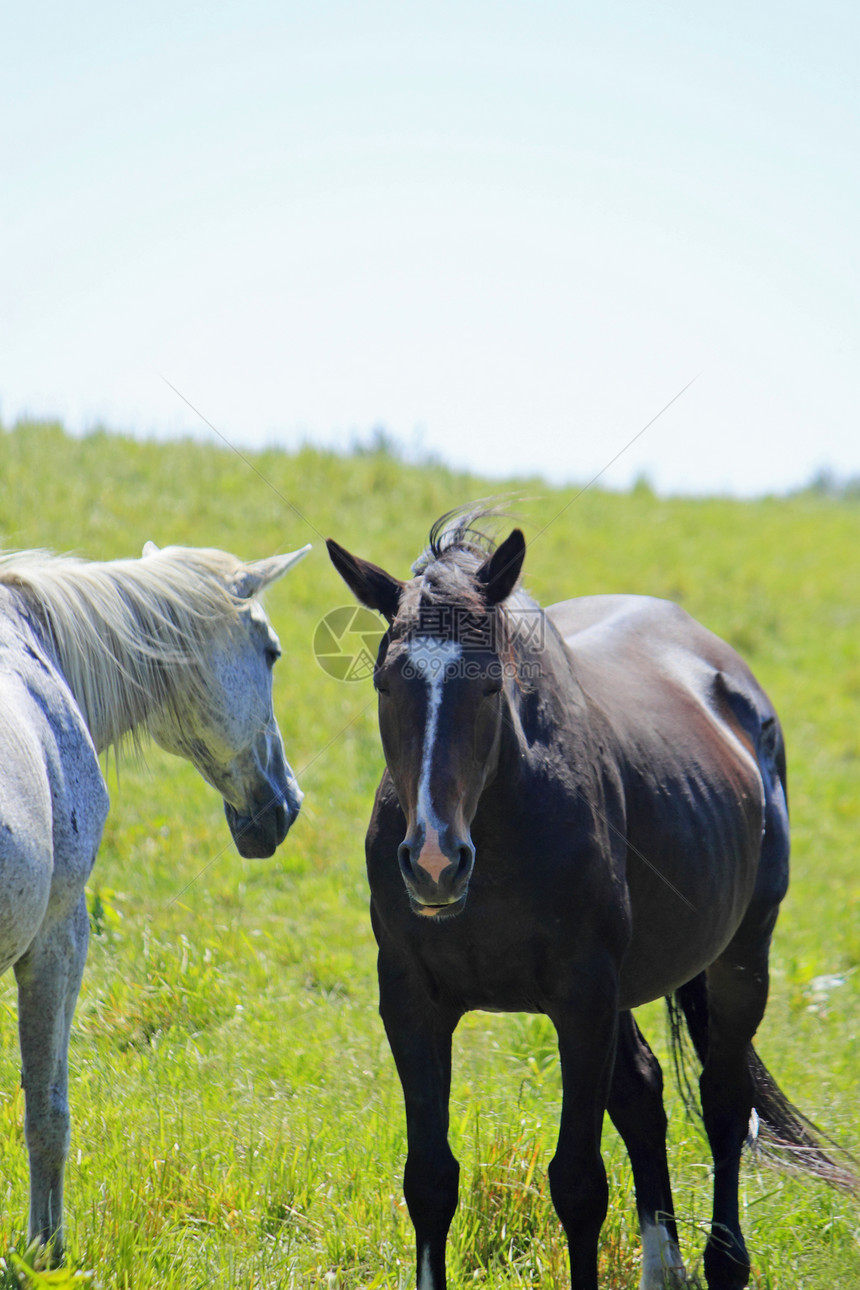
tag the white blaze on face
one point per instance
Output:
(430, 659)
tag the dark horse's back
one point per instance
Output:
(698, 751)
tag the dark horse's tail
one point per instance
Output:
(784, 1135)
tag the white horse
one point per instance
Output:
(175, 645)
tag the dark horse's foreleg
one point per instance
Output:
(636, 1109)
(577, 1177)
(420, 1037)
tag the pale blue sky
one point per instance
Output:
(508, 232)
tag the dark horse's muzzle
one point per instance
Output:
(436, 869)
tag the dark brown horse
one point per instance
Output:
(583, 809)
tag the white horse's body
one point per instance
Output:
(174, 644)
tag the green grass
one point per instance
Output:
(237, 1120)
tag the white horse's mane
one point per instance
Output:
(129, 636)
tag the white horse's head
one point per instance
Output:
(230, 734)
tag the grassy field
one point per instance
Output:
(236, 1117)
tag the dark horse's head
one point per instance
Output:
(439, 676)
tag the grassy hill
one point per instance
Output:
(236, 1117)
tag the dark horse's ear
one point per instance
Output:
(370, 585)
(500, 571)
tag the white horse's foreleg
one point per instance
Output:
(49, 978)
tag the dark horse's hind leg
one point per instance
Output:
(420, 1037)
(636, 1109)
(737, 986)
(737, 992)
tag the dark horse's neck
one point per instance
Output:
(543, 700)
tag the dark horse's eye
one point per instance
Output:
(493, 679)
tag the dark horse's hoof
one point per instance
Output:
(727, 1264)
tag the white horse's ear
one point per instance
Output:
(254, 576)
(149, 548)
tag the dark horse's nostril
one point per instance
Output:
(464, 860)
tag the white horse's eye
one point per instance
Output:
(273, 653)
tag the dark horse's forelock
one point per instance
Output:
(459, 529)
(445, 580)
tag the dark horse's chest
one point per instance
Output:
(597, 885)
(521, 938)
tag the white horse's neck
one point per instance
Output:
(117, 704)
